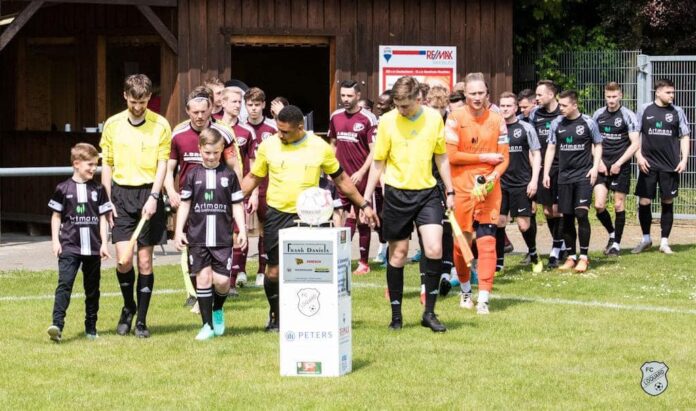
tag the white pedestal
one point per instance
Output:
(315, 302)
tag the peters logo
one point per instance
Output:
(669, 117)
(308, 301)
(290, 336)
(580, 130)
(358, 127)
(439, 55)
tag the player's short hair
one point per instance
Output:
(438, 94)
(369, 104)
(456, 97)
(200, 93)
(663, 82)
(569, 94)
(282, 100)
(228, 91)
(526, 94)
(549, 84)
(83, 152)
(471, 77)
(406, 88)
(291, 115)
(424, 90)
(255, 95)
(612, 86)
(508, 94)
(213, 81)
(459, 86)
(209, 135)
(137, 86)
(351, 84)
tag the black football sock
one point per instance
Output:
(605, 218)
(127, 282)
(431, 280)
(529, 237)
(619, 226)
(666, 219)
(395, 286)
(569, 233)
(499, 248)
(272, 290)
(145, 284)
(645, 218)
(219, 300)
(584, 231)
(205, 305)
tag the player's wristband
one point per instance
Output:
(450, 193)
(156, 196)
(365, 205)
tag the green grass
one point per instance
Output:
(535, 350)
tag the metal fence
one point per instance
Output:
(589, 71)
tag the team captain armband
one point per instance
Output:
(503, 139)
(451, 135)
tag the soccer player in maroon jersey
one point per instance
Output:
(352, 129)
(232, 105)
(255, 102)
(210, 198)
(185, 154)
(79, 233)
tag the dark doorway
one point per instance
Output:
(298, 73)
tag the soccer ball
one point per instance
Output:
(314, 206)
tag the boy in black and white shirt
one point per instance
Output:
(79, 236)
(210, 198)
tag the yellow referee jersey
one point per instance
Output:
(407, 146)
(292, 168)
(133, 151)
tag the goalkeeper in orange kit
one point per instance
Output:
(477, 146)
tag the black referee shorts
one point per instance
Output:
(404, 207)
(128, 202)
(275, 221)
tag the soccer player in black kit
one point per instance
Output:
(662, 157)
(579, 153)
(79, 233)
(618, 127)
(210, 197)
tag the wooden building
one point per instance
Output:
(62, 62)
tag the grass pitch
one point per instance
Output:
(552, 341)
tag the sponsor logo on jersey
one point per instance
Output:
(80, 209)
(358, 127)
(208, 195)
(569, 140)
(658, 124)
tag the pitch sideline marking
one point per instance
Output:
(541, 300)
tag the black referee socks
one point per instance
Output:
(272, 289)
(395, 286)
(431, 279)
(145, 284)
(126, 281)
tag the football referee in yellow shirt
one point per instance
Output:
(293, 160)
(135, 148)
(409, 139)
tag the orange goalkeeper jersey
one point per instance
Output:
(468, 136)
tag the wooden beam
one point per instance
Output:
(19, 22)
(163, 31)
(287, 40)
(153, 3)
(101, 79)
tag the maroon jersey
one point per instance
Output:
(185, 146)
(218, 116)
(245, 137)
(80, 205)
(211, 191)
(353, 133)
(262, 131)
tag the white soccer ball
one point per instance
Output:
(314, 206)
